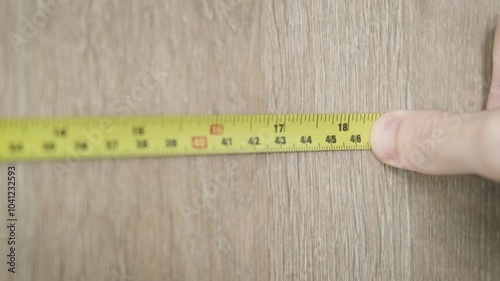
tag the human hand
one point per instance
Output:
(439, 143)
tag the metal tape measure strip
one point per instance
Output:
(155, 136)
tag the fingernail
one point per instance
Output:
(383, 138)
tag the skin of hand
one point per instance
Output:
(444, 143)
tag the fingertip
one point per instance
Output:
(383, 137)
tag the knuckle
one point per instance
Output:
(417, 139)
(430, 124)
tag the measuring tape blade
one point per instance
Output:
(154, 136)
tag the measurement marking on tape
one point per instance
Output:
(156, 136)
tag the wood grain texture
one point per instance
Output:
(296, 216)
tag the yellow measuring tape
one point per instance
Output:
(154, 136)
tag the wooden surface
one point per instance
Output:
(296, 216)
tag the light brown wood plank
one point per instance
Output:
(294, 216)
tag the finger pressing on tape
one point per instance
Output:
(434, 142)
